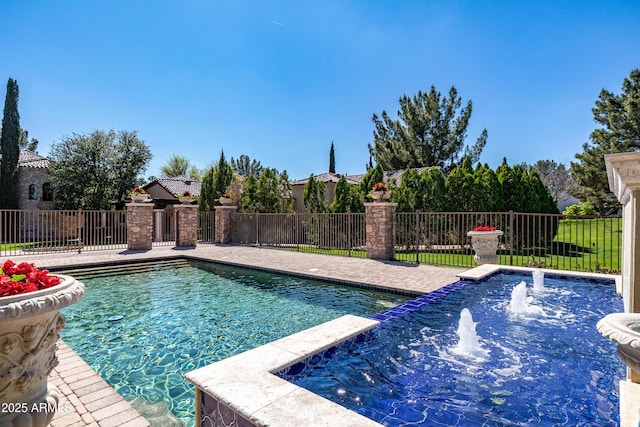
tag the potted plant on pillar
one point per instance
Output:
(225, 199)
(138, 195)
(30, 326)
(380, 192)
(186, 197)
(484, 240)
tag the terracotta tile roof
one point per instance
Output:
(325, 177)
(29, 159)
(354, 179)
(177, 185)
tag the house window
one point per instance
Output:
(47, 194)
(33, 192)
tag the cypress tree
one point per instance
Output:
(341, 198)
(222, 176)
(332, 160)
(314, 198)
(10, 148)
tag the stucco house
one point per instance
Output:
(330, 180)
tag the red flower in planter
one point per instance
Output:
(24, 277)
(484, 228)
(379, 186)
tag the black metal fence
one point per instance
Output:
(164, 228)
(206, 227)
(530, 239)
(26, 232)
(335, 234)
(439, 238)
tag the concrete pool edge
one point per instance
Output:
(66, 269)
(483, 271)
(246, 384)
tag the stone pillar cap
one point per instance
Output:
(623, 171)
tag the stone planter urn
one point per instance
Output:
(139, 198)
(29, 330)
(380, 196)
(624, 329)
(485, 245)
(186, 200)
(225, 201)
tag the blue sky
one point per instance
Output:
(279, 80)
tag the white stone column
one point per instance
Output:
(623, 170)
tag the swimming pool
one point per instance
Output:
(141, 332)
(542, 365)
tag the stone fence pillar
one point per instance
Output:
(186, 225)
(139, 226)
(380, 229)
(223, 223)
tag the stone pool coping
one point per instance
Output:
(246, 384)
(486, 270)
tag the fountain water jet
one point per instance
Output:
(469, 341)
(520, 303)
(538, 280)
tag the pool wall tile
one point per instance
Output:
(216, 414)
(419, 302)
(243, 391)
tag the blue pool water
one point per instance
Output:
(549, 368)
(142, 332)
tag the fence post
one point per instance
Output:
(380, 229)
(297, 238)
(349, 243)
(79, 227)
(257, 228)
(510, 237)
(418, 237)
(222, 218)
(139, 226)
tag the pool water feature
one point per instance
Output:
(543, 370)
(142, 332)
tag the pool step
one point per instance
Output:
(90, 272)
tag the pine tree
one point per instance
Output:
(10, 148)
(619, 116)
(246, 166)
(332, 160)
(430, 131)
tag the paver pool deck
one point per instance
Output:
(87, 400)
